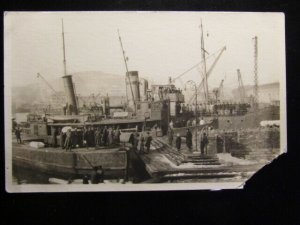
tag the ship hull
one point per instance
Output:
(249, 120)
(59, 163)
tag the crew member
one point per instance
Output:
(75, 138)
(92, 137)
(203, 143)
(54, 141)
(189, 138)
(202, 121)
(131, 139)
(97, 175)
(105, 136)
(141, 143)
(117, 136)
(97, 137)
(220, 142)
(68, 142)
(148, 142)
(136, 138)
(18, 135)
(178, 142)
(85, 137)
(171, 124)
(110, 137)
(170, 135)
(85, 179)
(62, 139)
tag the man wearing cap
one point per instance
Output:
(189, 137)
(178, 142)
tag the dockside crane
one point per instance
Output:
(218, 92)
(208, 73)
(241, 87)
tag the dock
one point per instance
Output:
(164, 162)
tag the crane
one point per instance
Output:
(220, 89)
(197, 64)
(218, 92)
(241, 86)
(203, 52)
(210, 70)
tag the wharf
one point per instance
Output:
(165, 162)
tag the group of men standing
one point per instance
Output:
(189, 140)
(90, 137)
(195, 122)
(140, 142)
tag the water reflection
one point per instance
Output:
(29, 176)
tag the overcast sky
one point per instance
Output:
(158, 44)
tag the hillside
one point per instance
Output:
(86, 83)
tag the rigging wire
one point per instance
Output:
(196, 65)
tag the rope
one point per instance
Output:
(196, 65)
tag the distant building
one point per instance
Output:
(267, 93)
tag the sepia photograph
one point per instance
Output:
(142, 101)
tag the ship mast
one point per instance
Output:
(64, 49)
(205, 84)
(127, 73)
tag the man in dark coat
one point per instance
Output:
(54, 141)
(75, 138)
(148, 142)
(131, 139)
(189, 138)
(92, 137)
(220, 143)
(170, 136)
(97, 175)
(18, 135)
(203, 143)
(85, 137)
(105, 136)
(85, 179)
(97, 137)
(178, 142)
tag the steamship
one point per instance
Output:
(147, 108)
(153, 109)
